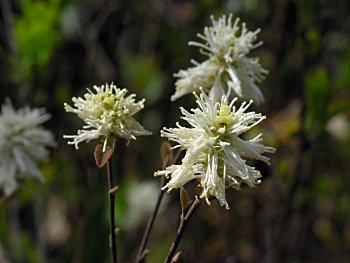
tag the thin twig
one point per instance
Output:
(183, 223)
(111, 195)
(142, 250)
(141, 256)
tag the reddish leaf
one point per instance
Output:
(101, 158)
(185, 200)
(198, 190)
(117, 231)
(166, 153)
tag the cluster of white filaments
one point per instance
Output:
(214, 144)
(215, 149)
(227, 70)
(23, 145)
(108, 115)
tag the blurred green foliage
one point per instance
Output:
(343, 77)
(318, 95)
(36, 34)
(144, 76)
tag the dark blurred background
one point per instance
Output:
(53, 50)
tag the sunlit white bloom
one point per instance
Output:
(23, 145)
(107, 114)
(203, 75)
(215, 151)
(227, 70)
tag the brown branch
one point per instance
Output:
(111, 194)
(183, 223)
(142, 253)
(141, 256)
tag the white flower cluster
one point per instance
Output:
(107, 114)
(23, 145)
(214, 149)
(227, 70)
